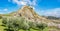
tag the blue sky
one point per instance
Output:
(42, 7)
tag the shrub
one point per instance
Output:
(23, 24)
(16, 23)
(12, 24)
(4, 21)
(32, 24)
(41, 26)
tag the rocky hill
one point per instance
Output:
(28, 13)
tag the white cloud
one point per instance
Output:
(5, 9)
(52, 12)
(19, 2)
(24, 2)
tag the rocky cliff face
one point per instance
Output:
(29, 14)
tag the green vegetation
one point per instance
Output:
(21, 24)
(41, 26)
(0, 16)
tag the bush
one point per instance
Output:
(4, 21)
(32, 24)
(41, 26)
(23, 24)
(10, 23)
(16, 23)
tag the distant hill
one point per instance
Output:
(53, 18)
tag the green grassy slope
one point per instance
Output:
(1, 27)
